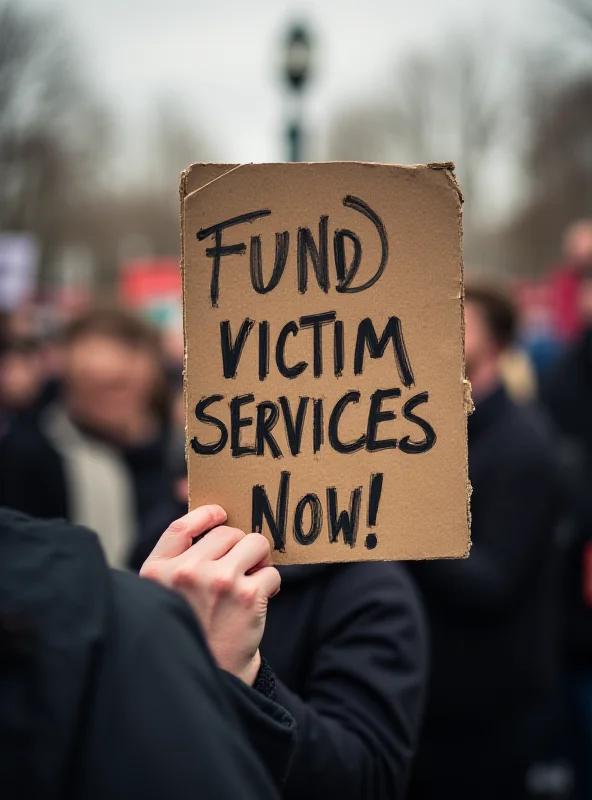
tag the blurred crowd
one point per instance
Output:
(92, 430)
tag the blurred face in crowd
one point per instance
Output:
(110, 385)
(481, 349)
(21, 378)
(578, 242)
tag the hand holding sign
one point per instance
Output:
(325, 376)
(227, 579)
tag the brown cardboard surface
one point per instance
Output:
(405, 469)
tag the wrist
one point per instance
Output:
(249, 674)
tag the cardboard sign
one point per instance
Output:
(325, 391)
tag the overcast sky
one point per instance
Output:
(219, 58)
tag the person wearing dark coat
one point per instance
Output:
(493, 616)
(98, 455)
(347, 649)
(172, 506)
(567, 394)
(107, 687)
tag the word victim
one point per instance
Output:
(366, 340)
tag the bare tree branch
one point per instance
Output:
(51, 132)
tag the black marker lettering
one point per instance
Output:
(280, 356)
(375, 416)
(200, 409)
(294, 428)
(367, 337)
(316, 322)
(318, 431)
(376, 481)
(335, 442)
(263, 350)
(267, 417)
(318, 256)
(260, 508)
(363, 208)
(346, 521)
(220, 250)
(316, 519)
(373, 505)
(338, 349)
(231, 353)
(282, 246)
(345, 275)
(237, 423)
(406, 445)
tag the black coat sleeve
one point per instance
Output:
(165, 722)
(359, 715)
(511, 531)
(32, 478)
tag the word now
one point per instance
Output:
(306, 248)
(344, 522)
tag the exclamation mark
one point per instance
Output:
(373, 504)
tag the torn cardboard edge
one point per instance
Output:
(449, 167)
(468, 400)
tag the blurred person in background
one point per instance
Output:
(346, 647)
(114, 687)
(577, 243)
(568, 397)
(172, 505)
(492, 615)
(22, 376)
(22, 322)
(564, 281)
(518, 375)
(30, 363)
(4, 414)
(98, 455)
(22, 366)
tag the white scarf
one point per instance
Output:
(99, 488)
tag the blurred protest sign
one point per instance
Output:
(325, 391)
(153, 287)
(19, 262)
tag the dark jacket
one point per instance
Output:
(107, 689)
(348, 647)
(568, 397)
(493, 615)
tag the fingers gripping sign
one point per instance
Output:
(227, 579)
